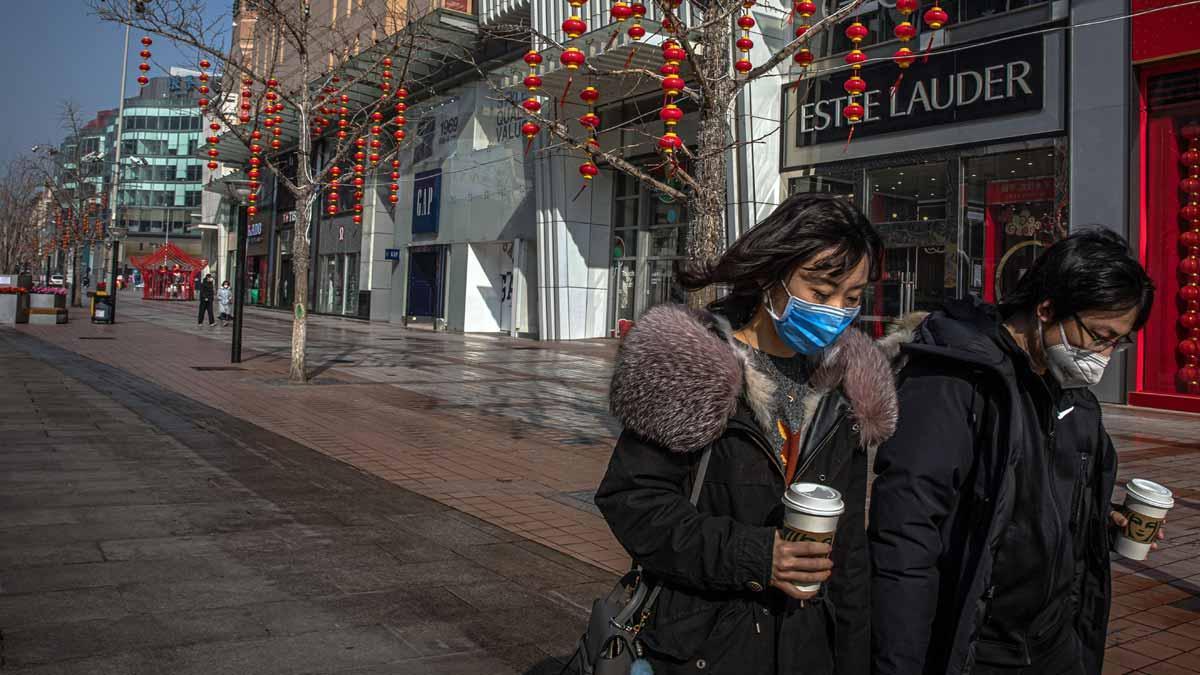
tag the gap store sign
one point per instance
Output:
(973, 84)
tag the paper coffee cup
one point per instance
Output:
(1146, 505)
(810, 513)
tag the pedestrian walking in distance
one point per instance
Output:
(224, 301)
(772, 388)
(991, 514)
(206, 301)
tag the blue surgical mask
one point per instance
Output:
(808, 327)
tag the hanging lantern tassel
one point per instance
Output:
(935, 19)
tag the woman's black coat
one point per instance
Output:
(683, 384)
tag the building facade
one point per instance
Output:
(161, 174)
(1166, 193)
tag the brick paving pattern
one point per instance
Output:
(144, 533)
(516, 433)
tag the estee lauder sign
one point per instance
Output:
(999, 79)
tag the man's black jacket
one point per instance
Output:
(989, 513)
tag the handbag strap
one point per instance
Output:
(627, 613)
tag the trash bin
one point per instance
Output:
(102, 309)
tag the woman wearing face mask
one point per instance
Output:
(990, 515)
(775, 382)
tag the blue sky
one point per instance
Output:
(54, 50)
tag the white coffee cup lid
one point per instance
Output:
(815, 498)
(1150, 492)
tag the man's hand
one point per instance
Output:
(799, 562)
(1121, 521)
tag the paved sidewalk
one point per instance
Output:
(143, 532)
(516, 432)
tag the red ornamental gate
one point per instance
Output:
(169, 273)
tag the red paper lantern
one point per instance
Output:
(907, 7)
(533, 82)
(674, 54)
(394, 198)
(590, 120)
(588, 170)
(936, 17)
(672, 85)
(589, 95)
(743, 66)
(532, 105)
(803, 58)
(530, 129)
(805, 8)
(904, 57)
(853, 112)
(1190, 184)
(1190, 132)
(204, 63)
(670, 142)
(670, 114)
(572, 58)
(147, 41)
(574, 27)
(1190, 293)
(856, 32)
(905, 31)
(856, 57)
(668, 69)
(855, 85)
(746, 21)
(1190, 320)
(252, 210)
(745, 44)
(1190, 265)
(213, 166)
(621, 11)
(533, 59)
(636, 32)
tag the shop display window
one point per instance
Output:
(649, 236)
(1015, 205)
(337, 290)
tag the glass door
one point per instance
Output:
(910, 206)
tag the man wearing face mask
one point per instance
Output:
(990, 515)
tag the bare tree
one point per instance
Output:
(72, 177)
(19, 195)
(706, 77)
(333, 85)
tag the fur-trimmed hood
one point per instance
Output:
(680, 375)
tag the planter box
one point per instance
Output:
(47, 315)
(47, 300)
(14, 308)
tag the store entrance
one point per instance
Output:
(910, 207)
(425, 283)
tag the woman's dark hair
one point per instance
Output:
(800, 230)
(1091, 270)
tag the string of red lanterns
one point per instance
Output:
(246, 105)
(214, 127)
(672, 85)
(531, 103)
(274, 108)
(804, 9)
(590, 122)
(332, 198)
(637, 31)
(1189, 266)
(400, 120)
(744, 43)
(360, 168)
(144, 66)
(935, 19)
(904, 31)
(855, 86)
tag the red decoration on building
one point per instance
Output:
(904, 32)
(744, 43)
(855, 86)
(637, 31)
(1189, 266)
(804, 9)
(532, 83)
(144, 66)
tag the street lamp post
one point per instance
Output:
(238, 192)
(112, 200)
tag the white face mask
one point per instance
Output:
(1071, 366)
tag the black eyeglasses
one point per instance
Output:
(1101, 344)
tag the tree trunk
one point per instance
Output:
(706, 205)
(298, 374)
(76, 301)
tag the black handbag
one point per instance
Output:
(610, 646)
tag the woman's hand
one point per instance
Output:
(1120, 520)
(799, 562)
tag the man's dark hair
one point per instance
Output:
(1091, 270)
(803, 227)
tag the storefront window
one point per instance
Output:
(337, 292)
(1015, 206)
(909, 206)
(649, 235)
